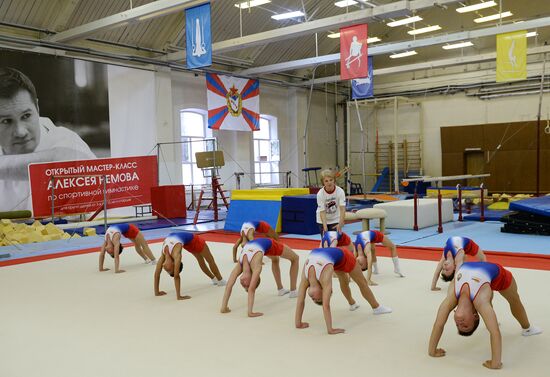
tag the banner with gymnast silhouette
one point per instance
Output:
(198, 36)
(353, 52)
(363, 87)
(233, 103)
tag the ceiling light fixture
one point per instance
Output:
(473, 8)
(532, 34)
(404, 21)
(252, 3)
(284, 16)
(403, 54)
(423, 30)
(345, 3)
(458, 45)
(493, 17)
(369, 40)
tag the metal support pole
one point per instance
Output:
(348, 143)
(482, 204)
(415, 207)
(288, 179)
(538, 125)
(158, 164)
(459, 188)
(362, 145)
(53, 196)
(440, 221)
(395, 151)
(105, 203)
(215, 195)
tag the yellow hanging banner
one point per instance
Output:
(512, 56)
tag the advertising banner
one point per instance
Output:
(78, 186)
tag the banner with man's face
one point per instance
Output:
(51, 109)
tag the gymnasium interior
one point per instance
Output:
(196, 116)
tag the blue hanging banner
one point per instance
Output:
(363, 88)
(198, 36)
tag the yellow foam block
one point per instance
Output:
(5, 222)
(20, 227)
(267, 194)
(65, 236)
(20, 237)
(35, 237)
(52, 229)
(499, 206)
(56, 236)
(76, 235)
(89, 232)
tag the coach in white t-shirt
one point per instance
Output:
(331, 204)
(26, 138)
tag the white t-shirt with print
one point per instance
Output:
(330, 203)
(15, 194)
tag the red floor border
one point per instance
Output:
(508, 259)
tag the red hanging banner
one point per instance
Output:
(353, 52)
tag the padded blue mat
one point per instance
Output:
(537, 206)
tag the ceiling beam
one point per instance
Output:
(60, 21)
(395, 9)
(399, 46)
(148, 11)
(431, 65)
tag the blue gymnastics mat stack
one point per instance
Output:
(530, 216)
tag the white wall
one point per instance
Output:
(288, 105)
(458, 110)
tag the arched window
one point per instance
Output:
(197, 137)
(266, 152)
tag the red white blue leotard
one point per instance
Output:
(477, 274)
(454, 244)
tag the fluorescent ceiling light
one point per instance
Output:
(345, 3)
(493, 17)
(458, 45)
(369, 40)
(532, 34)
(423, 30)
(252, 3)
(284, 16)
(472, 8)
(404, 21)
(403, 54)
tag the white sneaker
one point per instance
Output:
(399, 273)
(381, 309)
(221, 283)
(533, 330)
(354, 307)
(293, 294)
(283, 292)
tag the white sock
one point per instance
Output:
(375, 268)
(282, 292)
(293, 294)
(221, 283)
(214, 281)
(353, 307)
(381, 309)
(396, 267)
(532, 330)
